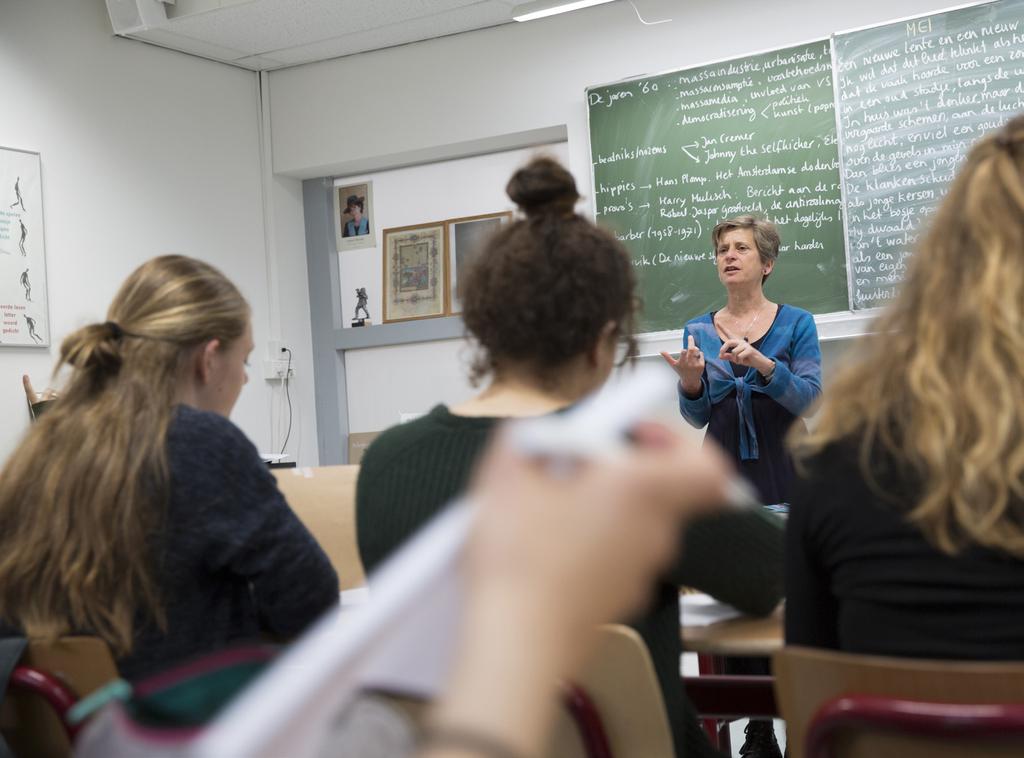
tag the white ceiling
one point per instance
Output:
(271, 34)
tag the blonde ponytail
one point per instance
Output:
(83, 496)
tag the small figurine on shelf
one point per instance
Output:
(361, 306)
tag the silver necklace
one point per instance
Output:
(746, 332)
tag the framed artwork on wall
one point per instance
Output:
(353, 216)
(24, 311)
(415, 263)
(466, 239)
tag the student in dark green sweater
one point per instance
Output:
(547, 305)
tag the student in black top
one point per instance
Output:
(906, 534)
(133, 509)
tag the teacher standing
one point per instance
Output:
(749, 370)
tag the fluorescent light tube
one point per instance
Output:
(542, 8)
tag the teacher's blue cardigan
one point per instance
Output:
(792, 342)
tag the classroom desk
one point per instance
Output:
(719, 697)
(740, 636)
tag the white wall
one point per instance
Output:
(144, 151)
(386, 382)
(463, 92)
(287, 248)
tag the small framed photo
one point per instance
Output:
(466, 240)
(415, 261)
(353, 216)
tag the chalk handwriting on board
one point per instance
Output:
(673, 155)
(913, 97)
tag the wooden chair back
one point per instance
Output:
(619, 687)
(324, 498)
(621, 681)
(808, 679)
(83, 664)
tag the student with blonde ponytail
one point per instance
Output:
(907, 534)
(134, 509)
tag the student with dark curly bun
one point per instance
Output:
(134, 509)
(547, 304)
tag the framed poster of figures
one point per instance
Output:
(24, 315)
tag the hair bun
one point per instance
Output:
(94, 348)
(543, 186)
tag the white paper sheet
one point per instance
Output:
(698, 609)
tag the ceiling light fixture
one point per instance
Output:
(542, 8)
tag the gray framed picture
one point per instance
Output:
(467, 238)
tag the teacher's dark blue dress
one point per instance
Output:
(748, 417)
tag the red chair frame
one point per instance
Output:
(912, 717)
(732, 696)
(57, 694)
(588, 721)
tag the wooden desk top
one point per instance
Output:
(740, 636)
(324, 498)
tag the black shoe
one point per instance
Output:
(760, 740)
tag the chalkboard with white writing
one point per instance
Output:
(676, 153)
(913, 97)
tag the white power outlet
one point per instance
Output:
(276, 364)
(274, 370)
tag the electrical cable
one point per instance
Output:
(647, 23)
(298, 428)
(287, 394)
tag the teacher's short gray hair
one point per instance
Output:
(766, 235)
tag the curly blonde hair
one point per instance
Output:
(939, 387)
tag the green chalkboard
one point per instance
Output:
(674, 154)
(914, 95)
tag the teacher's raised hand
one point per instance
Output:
(689, 366)
(742, 352)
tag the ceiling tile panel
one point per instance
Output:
(269, 34)
(479, 16)
(265, 25)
